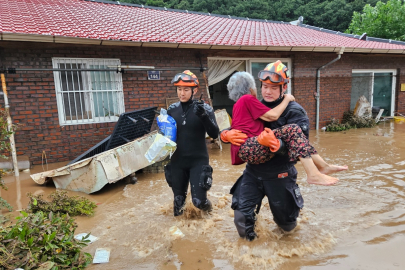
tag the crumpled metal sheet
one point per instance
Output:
(91, 174)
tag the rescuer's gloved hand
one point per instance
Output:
(267, 138)
(233, 136)
(199, 109)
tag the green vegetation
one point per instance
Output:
(385, 20)
(335, 125)
(350, 121)
(42, 242)
(37, 241)
(3, 203)
(4, 134)
(4, 147)
(61, 202)
(333, 14)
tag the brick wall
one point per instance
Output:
(335, 79)
(400, 98)
(33, 102)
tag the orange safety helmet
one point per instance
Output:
(275, 73)
(186, 78)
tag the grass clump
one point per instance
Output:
(40, 241)
(61, 202)
(350, 121)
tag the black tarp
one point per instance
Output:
(130, 126)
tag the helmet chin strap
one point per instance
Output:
(192, 94)
(281, 94)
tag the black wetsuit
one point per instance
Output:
(275, 179)
(190, 162)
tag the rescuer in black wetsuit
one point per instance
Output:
(275, 178)
(190, 163)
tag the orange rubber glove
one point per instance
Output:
(267, 138)
(233, 136)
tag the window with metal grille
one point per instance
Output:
(83, 97)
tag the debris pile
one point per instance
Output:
(61, 202)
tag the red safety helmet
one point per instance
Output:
(186, 78)
(275, 73)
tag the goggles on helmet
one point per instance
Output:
(185, 78)
(265, 75)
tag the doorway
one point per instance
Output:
(378, 86)
(219, 66)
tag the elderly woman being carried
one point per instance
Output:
(261, 144)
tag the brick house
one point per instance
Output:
(65, 112)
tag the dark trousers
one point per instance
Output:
(282, 191)
(179, 174)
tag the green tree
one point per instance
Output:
(385, 20)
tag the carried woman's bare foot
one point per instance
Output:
(321, 179)
(329, 169)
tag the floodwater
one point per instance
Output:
(357, 224)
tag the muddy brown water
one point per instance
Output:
(357, 224)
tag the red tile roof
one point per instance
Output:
(111, 21)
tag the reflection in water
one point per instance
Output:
(357, 224)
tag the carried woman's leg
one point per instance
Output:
(325, 167)
(254, 153)
(298, 148)
(296, 142)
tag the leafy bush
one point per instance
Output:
(334, 125)
(4, 147)
(40, 241)
(5, 133)
(61, 202)
(350, 121)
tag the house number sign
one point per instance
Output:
(153, 75)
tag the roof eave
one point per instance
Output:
(86, 41)
(26, 37)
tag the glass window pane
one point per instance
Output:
(104, 96)
(72, 81)
(383, 92)
(256, 67)
(361, 86)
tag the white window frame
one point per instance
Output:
(248, 64)
(373, 71)
(88, 92)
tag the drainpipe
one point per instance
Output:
(318, 84)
